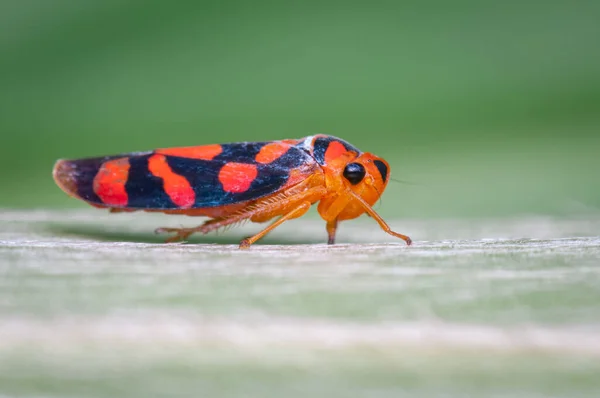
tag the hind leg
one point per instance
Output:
(181, 234)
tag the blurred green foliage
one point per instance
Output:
(491, 108)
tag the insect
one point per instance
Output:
(231, 183)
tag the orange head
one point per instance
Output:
(351, 177)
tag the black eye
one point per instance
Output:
(354, 172)
(383, 169)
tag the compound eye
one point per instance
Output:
(354, 173)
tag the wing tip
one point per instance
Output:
(65, 176)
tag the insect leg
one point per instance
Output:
(379, 220)
(181, 234)
(331, 228)
(297, 212)
(259, 208)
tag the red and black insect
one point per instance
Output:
(234, 182)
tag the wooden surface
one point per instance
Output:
(94, 305)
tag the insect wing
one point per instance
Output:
(186, 177)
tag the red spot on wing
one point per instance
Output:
(109, 182)
(177, 187)
(271, 152)
(205, 152)
(237, 177)
(334, 150)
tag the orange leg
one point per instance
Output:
(331, 228)
(379, 220)
(267, 210)
(181, 234)
(297, 212)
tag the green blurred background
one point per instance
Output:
(487, 108)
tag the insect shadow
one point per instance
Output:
(98, 233)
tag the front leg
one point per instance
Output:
(386, 228)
